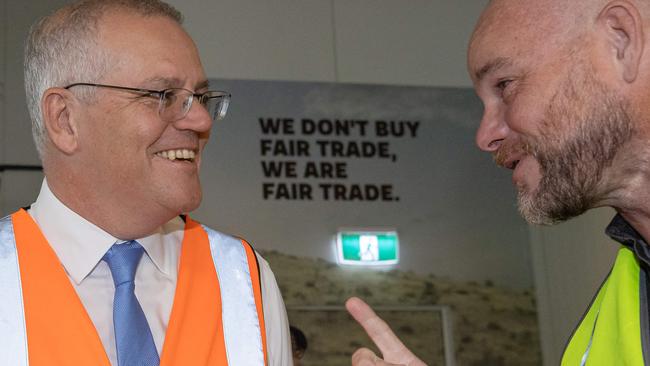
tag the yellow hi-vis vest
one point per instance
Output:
(611, 332)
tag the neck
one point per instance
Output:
(120, 219)
(640, 221)
(627, 187)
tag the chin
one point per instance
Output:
(191, 203)
(177, 203)
(530, 208)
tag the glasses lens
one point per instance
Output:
(216, 104)
(174, 104)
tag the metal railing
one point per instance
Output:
(445, 318)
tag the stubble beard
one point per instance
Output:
(574, 150)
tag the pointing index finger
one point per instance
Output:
(380, 333)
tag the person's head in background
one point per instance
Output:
(298, 345)
(124, 154)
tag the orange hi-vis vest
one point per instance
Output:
(216, 318)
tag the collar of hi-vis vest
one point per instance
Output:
(621, 231)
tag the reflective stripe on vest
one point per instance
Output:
(610, 332)
(13, 337)
(239, 312)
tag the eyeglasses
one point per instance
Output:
(175, 103)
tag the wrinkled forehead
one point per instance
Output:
(119, 27)
(147, 47)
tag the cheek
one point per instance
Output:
(98, 142)
(203, 141)
(118, 152)
(526, 115)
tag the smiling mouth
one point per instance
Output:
(509, 163)
(179, 154)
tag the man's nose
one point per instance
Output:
(197, 119)
(492, 130)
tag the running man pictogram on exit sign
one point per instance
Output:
(368, 247)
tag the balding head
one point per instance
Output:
(527, 28)
(110, 156)
(539, 27)
(565, 89)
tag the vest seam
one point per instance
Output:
(259, 272)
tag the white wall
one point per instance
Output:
(418, 42)
(412, 42)
(17, 188)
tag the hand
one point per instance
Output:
(393, 351)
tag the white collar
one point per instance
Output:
(80, 244)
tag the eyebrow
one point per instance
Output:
(202, 85)
(492, 66)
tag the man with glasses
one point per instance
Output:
(106, 268)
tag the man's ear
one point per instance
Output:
(59, 120)
(622, 26)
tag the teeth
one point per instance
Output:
(177, 154)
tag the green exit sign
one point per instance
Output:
(368, 247)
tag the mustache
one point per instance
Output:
(501, 155)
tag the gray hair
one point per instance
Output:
(62, 48)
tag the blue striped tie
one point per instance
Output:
(133, 337)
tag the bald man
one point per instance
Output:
(565, 86)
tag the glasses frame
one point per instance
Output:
(202, 98)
